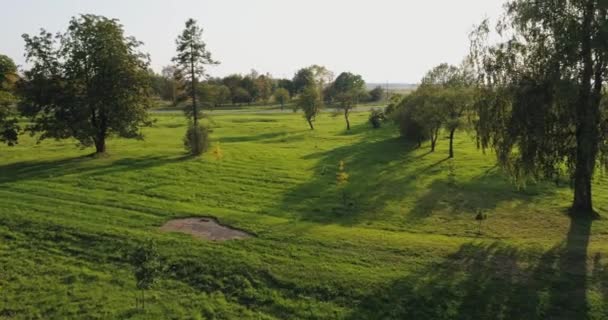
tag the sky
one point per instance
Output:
(394, 41)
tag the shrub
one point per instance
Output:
(410, 127)
(376, 117)
(196, 140)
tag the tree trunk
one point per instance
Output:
(193, 88)
(310, 124)
(586, 127)
(452, 143)
(100, 145)
(434, 136)
(346, 117)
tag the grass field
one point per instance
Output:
(405, 246)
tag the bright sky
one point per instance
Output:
(383, 40)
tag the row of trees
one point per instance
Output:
(92, 81)
(443, 101)
(537, 98)
(251, 88)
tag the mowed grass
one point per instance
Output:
(405, 246)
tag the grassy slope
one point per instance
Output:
(408, 245)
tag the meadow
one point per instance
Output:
(405, 245)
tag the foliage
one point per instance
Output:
(347, 89)
(240, 95)
(302, 79)
(449, 88)
(146, 266)
(191, 61)
(542, 88)
(88, 84)
(9, 128)
(376, 117)
(310, 102)
(196, 140)
(409, 117)
(376, 94)
(281, 95)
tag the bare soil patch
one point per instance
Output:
(204, 228)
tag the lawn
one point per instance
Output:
(405, 245)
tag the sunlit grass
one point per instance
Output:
(406, 245)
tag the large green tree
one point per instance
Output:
(348, 88)
(543, 87)
(191, 60)
(9, 129)
(87, 83)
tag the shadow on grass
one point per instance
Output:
(83, 165)
(494, 281)
(371, 165)
(384, 170)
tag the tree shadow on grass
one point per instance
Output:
(83, 165)
(493, 281)
(373, 180)
(384, 170)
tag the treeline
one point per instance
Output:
(254, 87)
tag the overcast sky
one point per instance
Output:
(383, 40)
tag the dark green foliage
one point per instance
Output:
(410, 125)
(376, 94)
(303, 79)
(90, 83)
(9, 129)
(376, 117)
(196, 140)
(347, 89)
(542, 90)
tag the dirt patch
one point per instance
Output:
(204, 228)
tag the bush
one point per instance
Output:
(410, 126)
(196, 140)
(376, 117)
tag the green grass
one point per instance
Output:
(406, 246)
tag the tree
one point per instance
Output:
(90, 83)
(9, 129)
(222, 95)
(348, 88)
(419, 117)
(376, 94)
(146, 266)
(310, 102)
(449, 88)
(192, 57)
(281, 96)
(263, 85)
(542, 88)
(240, 95)
(304, 78)
(286, 84)
(171, 75)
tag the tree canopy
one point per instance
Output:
(87, 83)
(9, 129)
(542, 89)
(347, 88)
